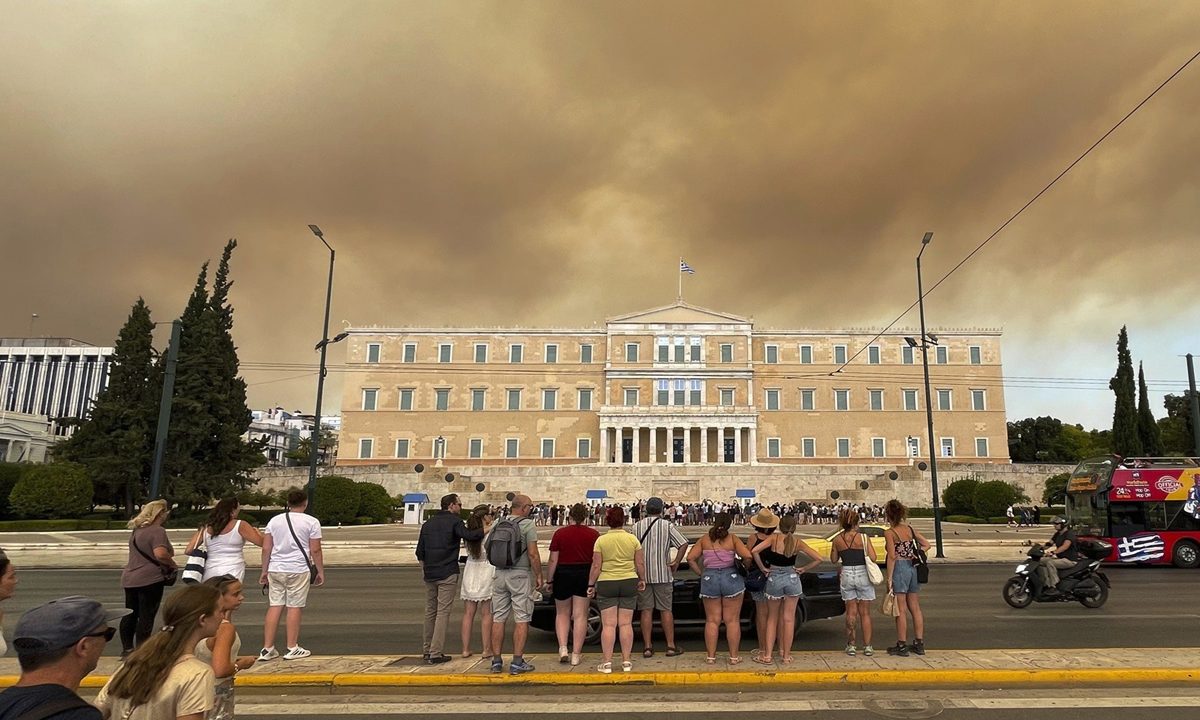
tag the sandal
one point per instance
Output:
(626, 666)
(563, 656)
(788, 660)
(605, 668)
(467, 653)
(648, 652)
(735, 660)
(575, 659)
(710, 660)
(673, 652)
(760, 659)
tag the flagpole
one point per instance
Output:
(679, 268)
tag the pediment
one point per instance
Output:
(679, 313)
(10, 430)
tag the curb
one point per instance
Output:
(822, 678)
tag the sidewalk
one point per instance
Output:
(396, 553)
(828, 670)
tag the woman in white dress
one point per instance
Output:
(225, 537)
(477, 579)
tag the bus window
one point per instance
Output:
(1127, 518)
(1178, 520)
(1156, 516)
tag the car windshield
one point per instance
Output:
(1087, 512)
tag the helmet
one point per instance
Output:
(1059, 520)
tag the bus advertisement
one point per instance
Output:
(1147, 508)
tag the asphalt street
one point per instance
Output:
(378, 611)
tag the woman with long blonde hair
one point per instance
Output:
(776, 557)
(151, 559)
(162, 678)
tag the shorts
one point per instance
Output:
(512, 592)
(783, 582)
(570, 581)
(721, 583)
(620, 594)
(904, 577)
(290, 589)
(856, 584)
(656, 596)
(758, 596)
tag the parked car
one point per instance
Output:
(822, 599)
(872, 530)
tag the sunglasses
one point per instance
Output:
(108, 634)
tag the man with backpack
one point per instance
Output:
(437, 551)
(512, 549)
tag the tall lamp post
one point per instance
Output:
(315, 444)
(926, 341)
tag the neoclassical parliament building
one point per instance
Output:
(678, 385)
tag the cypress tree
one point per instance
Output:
(115, 442)
(1146, 424)
(1125, 439)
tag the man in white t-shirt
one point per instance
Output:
(291, 544)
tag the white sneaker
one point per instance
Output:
(267, 654)
(296, 653)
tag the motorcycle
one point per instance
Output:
(1083, 583)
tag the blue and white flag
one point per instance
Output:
(685, 268)
(1140, 548)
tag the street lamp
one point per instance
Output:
(323, 345)
(927, 340)
(439, 451)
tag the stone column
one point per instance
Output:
(704, 444)
(737, 445)
(653, 457)
(753, 456)
(603, 445)
(637, 444)
(687, 444)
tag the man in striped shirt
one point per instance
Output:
(658, 537)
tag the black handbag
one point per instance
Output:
(920, 561)
(312, 569)
(170, 574)
(756, 579)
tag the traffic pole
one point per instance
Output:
(164, 409)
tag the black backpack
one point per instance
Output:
(505, 545)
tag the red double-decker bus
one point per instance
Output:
(1148, 508)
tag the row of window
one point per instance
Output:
(678, 393)
(583, 447)
(673, 350)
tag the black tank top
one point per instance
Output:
(773, 559)
(853, 557)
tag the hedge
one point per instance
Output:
(374, 504)
(54, 490)
(959, 496)
(336, 500)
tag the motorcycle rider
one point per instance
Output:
(1063, 552)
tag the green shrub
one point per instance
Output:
(54, 490)
(959, 496)
(336, 499)
(1056, 488)
(993, 497)
(923, 512)
(971, 519)
(374, 502)
(364, 520)
(59, 525)
(10, 473)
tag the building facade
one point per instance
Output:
(24, 438)
(57, 378)
(282, 432)
(677, 385)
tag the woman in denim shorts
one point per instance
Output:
(854, 550)
(764, 523)
(777, 558)
(721, 585)
(902, 540)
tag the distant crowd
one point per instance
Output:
(702, 512)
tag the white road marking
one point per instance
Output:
(1094, 615)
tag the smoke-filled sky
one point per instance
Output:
(547, 163)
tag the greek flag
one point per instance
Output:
(1140, 548)
(685, 268)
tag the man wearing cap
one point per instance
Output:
(57, 645)
(657, 539)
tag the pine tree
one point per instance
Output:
(115, 443)
(1147, 426)
(1125, 439)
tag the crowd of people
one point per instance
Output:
(700, 513)
(186, 668)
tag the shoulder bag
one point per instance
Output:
(874, 574)
(169, 574)
(920, 559)
(756, 579)
(197, 557)
(312, 569)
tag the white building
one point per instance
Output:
(23, 437)
(56, 378)
(283, 432)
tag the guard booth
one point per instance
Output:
(744, 496)
(595, 497)
(414, 508)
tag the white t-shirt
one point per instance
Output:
(285, 556)
(188, 689)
